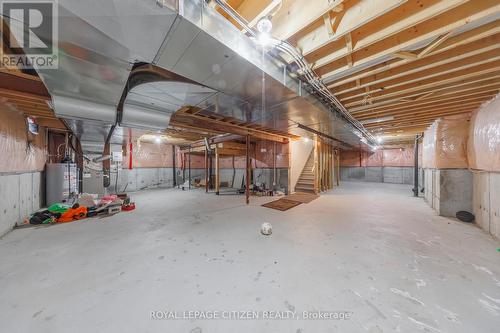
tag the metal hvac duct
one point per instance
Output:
(101, 41)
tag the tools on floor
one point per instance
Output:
(85, 206)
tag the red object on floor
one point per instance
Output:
(129, 207)
(73, 214)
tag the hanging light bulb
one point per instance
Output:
(264, 27)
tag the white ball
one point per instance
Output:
(266, 229)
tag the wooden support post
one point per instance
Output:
(206, 170)
(189, 163)
(217, 175)
(332, 166)
(173, 167)
(338, 167)
(316, 164)
(183, 169)
(247, 172)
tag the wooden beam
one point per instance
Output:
(449, 49)
(262, 12)
(204, 121)
(23, 95)
(405, 55)
(459, 53)
(217, 171)
(465, 14)
(450, 68)
(405, 122)
(489, 70)
(353, 16)
(206, 171)
(471, 88)
(420, 115)
(438, 41)
(375, 25)
(442, 87)
(328, 24)
(51, 123)
(298, 14)
(18, 73)
(370, 114)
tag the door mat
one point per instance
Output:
(282, 204)
(302, 197)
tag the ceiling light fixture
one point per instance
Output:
(264, 27)
(380, 139)
(158, 139)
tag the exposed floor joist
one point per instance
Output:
(413, 60)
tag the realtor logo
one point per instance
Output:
(29, 34)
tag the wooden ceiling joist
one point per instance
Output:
(471, 88)
(449, 49)
(355, 15)
(22, 95)
(296, 15)
(194, 118)
(467, 54)
(411, 118)
(467, 13)
(429, 107)
(419, 112)
(480, 64)
(483, 72)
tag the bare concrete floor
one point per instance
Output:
(369, 249)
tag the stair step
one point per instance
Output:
(307, 190)
(307, 177)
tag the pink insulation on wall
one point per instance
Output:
(373, 159)
(149, 155)
(20, 150)
(445, 143)
(397, 157)
(153, 155)
(484, 137)
(402, 157)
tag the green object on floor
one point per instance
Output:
(58, 208)
(48, 221)
(498, 250)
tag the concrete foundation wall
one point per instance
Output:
(486, 201)
(395, 175)
(448, 191)
(20, 195)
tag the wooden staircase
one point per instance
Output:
(306, 182)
